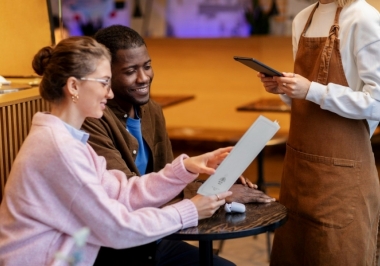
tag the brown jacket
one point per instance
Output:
(109, 138)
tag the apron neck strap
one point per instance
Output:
(310, 19)
(334, 28)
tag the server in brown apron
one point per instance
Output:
(330, 183)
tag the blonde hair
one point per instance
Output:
(344, 2)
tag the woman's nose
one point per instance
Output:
(110, 94)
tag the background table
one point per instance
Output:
(265, 105)
(257, 219)
(13, 88)
(169, 100)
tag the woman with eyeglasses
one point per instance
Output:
(58, 185)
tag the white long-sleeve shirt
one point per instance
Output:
(359, 36)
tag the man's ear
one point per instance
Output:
(72, 86)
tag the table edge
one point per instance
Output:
(228, 235)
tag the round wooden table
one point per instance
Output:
(258, 218)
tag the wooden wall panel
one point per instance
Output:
(15, 122)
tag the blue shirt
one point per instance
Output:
(141, 161)
(77, 134)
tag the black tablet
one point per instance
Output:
(258, 66)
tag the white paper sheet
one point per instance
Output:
(241, 156)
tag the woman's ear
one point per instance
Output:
(72, 89)
(72, 86)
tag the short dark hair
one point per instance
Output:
(118, 37)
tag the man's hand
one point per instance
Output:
(245, 194)
(246, 182)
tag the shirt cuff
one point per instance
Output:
(316, 93)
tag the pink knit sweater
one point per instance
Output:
(59, 185)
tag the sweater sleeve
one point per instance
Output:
(147, 190)
(126, 207)
(61, 183)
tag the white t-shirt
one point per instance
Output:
(359, 36)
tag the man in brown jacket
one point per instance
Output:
(132, 137)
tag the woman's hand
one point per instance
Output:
(208, 205)
(270, 84)
(293, 85)
(206, 163)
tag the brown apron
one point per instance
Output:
(330, 183)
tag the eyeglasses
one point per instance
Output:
(105, 82)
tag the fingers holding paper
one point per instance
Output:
(207, 162)
(208, 205)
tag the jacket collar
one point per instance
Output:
(120, 113)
